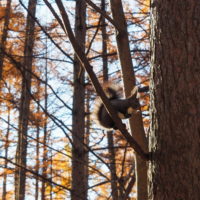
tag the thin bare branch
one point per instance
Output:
(35, 174)
(104, 14)
(85, 63)
(46, 33)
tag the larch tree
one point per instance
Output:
(3, 45)
(7, 144)
(175, 107)
(79, 167)
(129, 80)
(21, 151)
(45, 132)
(37, 112)
(82, 58)
(4, 35)
(9, 89)
(110, 138)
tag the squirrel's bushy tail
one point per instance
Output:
(112, 92)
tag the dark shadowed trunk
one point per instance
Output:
(21, 151)
(6, 156)
(112, 164)
(45, 132)
(37, 160)
(79, 187)
(175, 101)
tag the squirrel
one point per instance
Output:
(125, 107)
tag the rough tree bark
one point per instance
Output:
(21, 151)
(175, 78)
(114, 188)
(136, 123)
(79, 187)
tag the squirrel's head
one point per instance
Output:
(134, 101)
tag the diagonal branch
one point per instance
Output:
(45, 32)
(85, 63)
(55, 14)
(53, 118)
(104, 14)
(35, 174)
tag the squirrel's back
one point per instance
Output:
(125, 107)
(100, 115)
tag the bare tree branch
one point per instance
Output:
(85, 63)
(35, 174)
(103, 13)
(47, 34)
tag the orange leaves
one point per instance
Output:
(38, 118)
(61, 168)
(145, 5)
(2, 12)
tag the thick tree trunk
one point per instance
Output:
(21, 151)
(79, 187)
(175, 101)
(136, 123)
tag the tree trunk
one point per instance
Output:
(112, 164)
(6, 156)
(4, 35)
(79, 187)
(87, 136)
(20, 173)
(175, 107)
(104, 43)
(37, 165)
(136, 123)
(114, 188)
(45, 151)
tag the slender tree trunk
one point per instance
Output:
(79, 190)
(4, 35)
(37, 165)
(87, 137)
(136, 123)
(6, 156)
(44, 156)
(175, 107)
(20, 173)
(114, 193)
(104, 43)
(51, 172)
(114, 188)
